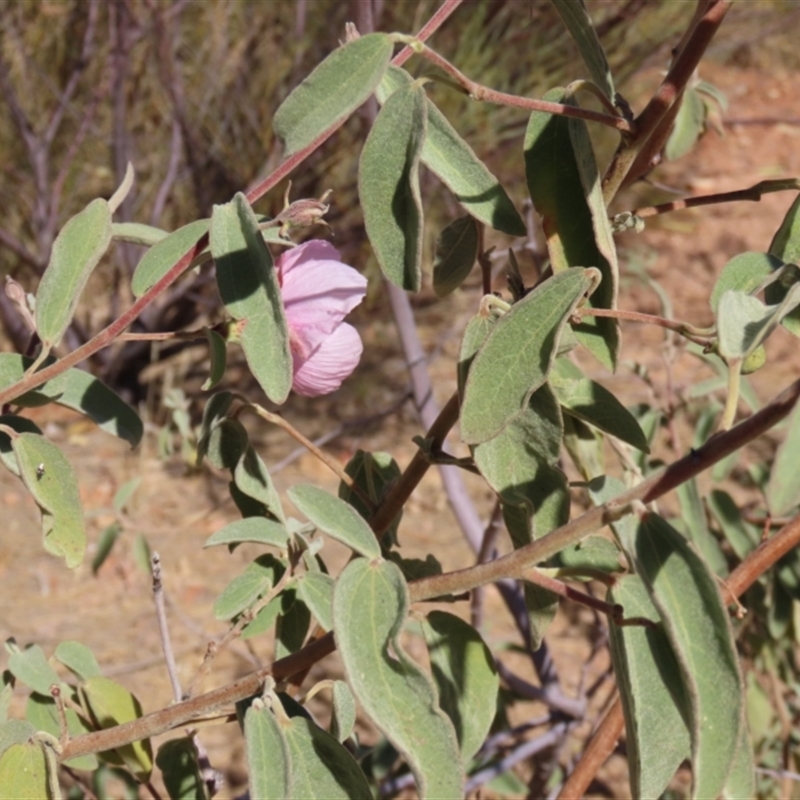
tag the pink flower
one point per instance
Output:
(318, 292)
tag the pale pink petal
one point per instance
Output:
(318, 291)
(332, 362)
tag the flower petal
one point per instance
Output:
(332, 362)
(318, 291)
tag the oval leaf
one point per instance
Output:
(259, 530)
(322, 769)
(370, 606)
(343, 712)
(257, 579)
(333, 91)
(23, 772)
(20, 425)
(456, 251)
(31, 668)
(41, 712)
(76, 251)
(110, 705)
(690, 122)
(137, 233)
(177, 760)
(163, 255)
(465, 674)
(267, 755)
(338, 519)
(454, 162)
(78, 659)
(565, 188)
(579, 24)
(316, 591)
(388, 185)
(218, 357)
(785, 245)
(49, 478)
(744, 273)
(648, 678)
(249, 289)
(516, 357)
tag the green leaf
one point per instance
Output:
(454, 162)
(252, 477)
(333, 91)
(15, 731)
(589, 401)
(743, 273)
(76, 251)
(218, 356)
(475, 334)
(693, 516)
(267, 755)
(373, 474)
(370, 606)
(248, 286)
(388, 185)
(49, 478)
(785, 246)
(343, 711)
(516, 357)
(177, 760)
(110, 705)
(42, 713)
(23, 772)
(686, 594)
(783, 488)
(30, 667)
(648, 678)
(78, 659)
(214, 413)
(593, 554)
(257, 579)
(80, 391)
(105, 543)
(741, 536)
(579, 24)
(322, 769)
(741, 783)
(338, 519)
(293, 624)
(163, 255)
(124, 494)
(137, 233)
(259, 530)
(316, 591)
(565, 188)
(264, 619)
(464, 671)
(690, 122)
(20, 425)
(744, 322)
(456, 252)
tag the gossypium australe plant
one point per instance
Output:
(318, 292)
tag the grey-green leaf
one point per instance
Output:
(42, 713)
(252, 478)
(744, 272)
(343, 712)
(783, 488)
(454, 162)
(330, 94)
(689, 124)
(257, 579)
(137, 233)
(316, 591)
(370, 606)
(20, 425)
(77, 658)
(338, 519)
(80, 391)
(23, 772)
(163, 255)
(589, 401)
(76, 251)
(687, 596)
(785, 245)
(564, 185)
(388, 185)
(177, 760)
(322, 768)
(456, 252)
(579, 24)
(648, 678)
(516, 357)
(249, 289)
(31, 668)
(267, 755)
(464, 671)
(259, 530)
(217, 356)
(741, 783)
(49, 478)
